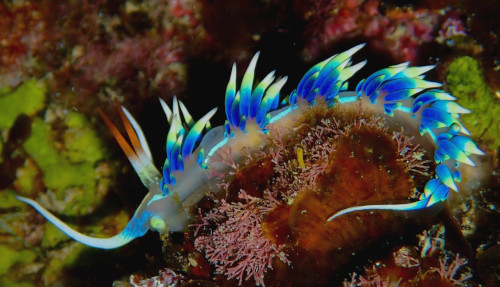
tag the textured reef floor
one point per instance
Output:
(61, 62)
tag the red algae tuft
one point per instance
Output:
(237, 246)
(399, 31)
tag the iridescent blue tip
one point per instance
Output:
(325, 79)
(182, 139)
(248, 104)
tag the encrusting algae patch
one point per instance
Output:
(27, 99)
(466, 81)
(71, 168)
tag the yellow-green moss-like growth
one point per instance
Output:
(60, 260)
(11, 257)
(52, 236)
(8, 200)
(466, 81)
(69, 167)
(64, 153)
(26, 99)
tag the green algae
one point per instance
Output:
(25, 177)
(466, 81)
(8, 283)
(52, 236)
(58, 173)
(65, 156)
(61, 259)
(26, 99)
(72, 168)
(8, 200)
(12, 257)
(82, 143)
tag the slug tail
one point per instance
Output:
(396, 207)
(129, 233)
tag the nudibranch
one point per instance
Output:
(398, 93)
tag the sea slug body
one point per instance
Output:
(398, 94)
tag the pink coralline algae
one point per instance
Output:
(100, 48)
(23, 34)
(154, 58)
(142, 51)
(400, 31)
(237, 246)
